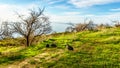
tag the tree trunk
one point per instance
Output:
(27, 41)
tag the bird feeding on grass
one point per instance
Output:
(47, 45)
(69, 47)
(53, 45)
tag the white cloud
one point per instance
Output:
(54, 1)
(88, 3)
(59, 7)
(71, 13)
(7, 11)
(116, 9)
(64, 18)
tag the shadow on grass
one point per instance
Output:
(11, 59)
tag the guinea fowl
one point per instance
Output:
(47, 45)
(70, 47)
(53, 45)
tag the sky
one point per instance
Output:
(64, 11)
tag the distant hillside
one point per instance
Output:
(92, 49)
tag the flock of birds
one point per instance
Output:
(54, 45)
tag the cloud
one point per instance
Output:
(116, 9)
(74, 17)
(7, 11)
(71, 13)
(57, 4)
(64, 7)
(89, 3)
(63, 18)
(50, 2)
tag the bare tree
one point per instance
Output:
(5, 30)
(85, 26)
(117, 23)
(91, 25)
(34, 25)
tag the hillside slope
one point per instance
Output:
(99, 49)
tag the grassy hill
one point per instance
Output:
(92, 49)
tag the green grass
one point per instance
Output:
(99, 49)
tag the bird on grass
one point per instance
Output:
(69, 47)
(47, 45)
(53, 45)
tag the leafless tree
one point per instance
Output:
(5, 30)
(80, 27)
(85, 26)
(117, 23)
(34, 25)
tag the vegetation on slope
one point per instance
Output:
(91, 50)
